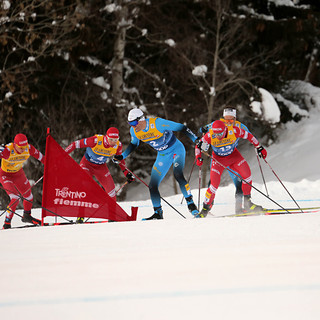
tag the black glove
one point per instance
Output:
(129, 176)
(117, 158)
(204, 129)
(203, 145)
(262, 152)
(198, 143)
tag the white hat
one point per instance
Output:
(136, 114)
(230, 112)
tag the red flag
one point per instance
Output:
(70, 192)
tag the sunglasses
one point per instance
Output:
(229, 120)
(113, 139)
(133, 123)
(20, 147)
(219, 134)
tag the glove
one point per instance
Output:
(199, 162)
(262, 152)
(117, 158)
(129, 176)
(202, 145)
(204, 129)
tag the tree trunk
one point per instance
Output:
(117, 74)
(207, 161)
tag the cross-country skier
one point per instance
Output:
(223, 141)
(158, 133)
(99, 149)
(229, 118)
(13, 178)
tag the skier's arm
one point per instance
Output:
(122, 163)
(35, 153)
(204, 145)
(83, 143)
(163, 125)
(240, 133)
(244, 127)
(118, 159)
(133, 145)
(4, 152)
(205, 128)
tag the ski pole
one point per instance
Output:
(199, 187)
(235, 173)
(25, 199)
(160, 196)
(23, 194)
(189, 177)
(121, 187)
(265, 185)
(283, 185)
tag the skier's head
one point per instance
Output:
(112, 136)
(136, 119)
(219, 129)
(230, 115)
(20, 142)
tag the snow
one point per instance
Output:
(6, 5)
(170, 42)
(257, 267)
(101, 82)
(267, 108)
(200, 71)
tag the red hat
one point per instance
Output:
(219, 127)
(21, 140)
(113, 133)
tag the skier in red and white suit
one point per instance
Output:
(223, 141)
(13, 178)
(99, 149)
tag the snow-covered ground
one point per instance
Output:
(263, 267)
(258, 267)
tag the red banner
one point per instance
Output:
(69, 191)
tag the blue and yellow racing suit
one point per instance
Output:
(159, 135)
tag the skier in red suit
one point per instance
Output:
(13, 179)
(223, 141)
(99, 149)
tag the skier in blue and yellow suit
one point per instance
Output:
(158, 133)
(230, 119)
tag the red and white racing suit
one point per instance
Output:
(227, 155)
(13, 178)
(94, 160)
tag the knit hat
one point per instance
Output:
(21, 140)
(113, 133)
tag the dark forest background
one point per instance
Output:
(79, 66)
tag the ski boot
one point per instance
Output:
(204, 212)
(7, 223)
(249, 206)
(158, 214)
(192, 207)
(28, 218)
(80, 220)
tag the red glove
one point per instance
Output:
(262, 152)
(199, 162)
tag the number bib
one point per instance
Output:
(16, 160)
(99, 154)
(156, 139)
(225, 146)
